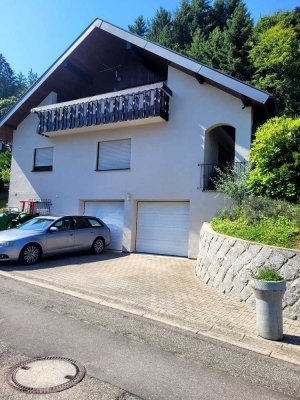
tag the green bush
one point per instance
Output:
(5, 161)
(268, 274)
(233, 182)
(275, 154)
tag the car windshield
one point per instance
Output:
(36, 224)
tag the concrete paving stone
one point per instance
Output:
(157, 287)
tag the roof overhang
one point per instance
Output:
(247, 93)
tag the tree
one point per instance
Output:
(6, 104)
(32, 77)
(21, 83)
(275, 154)
(275, 55)
(8, 84)
(201, 13)
(237, 43)
(210, 51)
(226, 50)
(139, 26)
(160, 29)
(181, 33)
(5, 161)
(222, 11)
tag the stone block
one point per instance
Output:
(254, 249)
(289, 298)
(246, 293)
(276, 260)
(295, 287)
(262, 257)
(224, 249)
(288, 272)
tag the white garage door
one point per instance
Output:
(163, 228)
(112, 213)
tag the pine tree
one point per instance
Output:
(8, 84)
(32, 77)
(139, 26)
(222, 11)
(237, 43)
(21, 83)
(160, 29)
(210, 51)
(182, 26)
(201, 13)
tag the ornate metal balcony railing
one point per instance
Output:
(209, 173)
(100, 111)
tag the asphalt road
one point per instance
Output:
(128, 357)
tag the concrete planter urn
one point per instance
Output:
(268, 295)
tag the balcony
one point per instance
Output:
(209, 173)
(129, 107)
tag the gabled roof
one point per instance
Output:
(202, 72)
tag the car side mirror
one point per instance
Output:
(53, 229)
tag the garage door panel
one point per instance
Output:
(162, 228)
(165, 232)
(112, 213)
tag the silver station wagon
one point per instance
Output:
(53, 235)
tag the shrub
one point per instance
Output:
(262, 220)
(275, 154)
(233, 182)
(5, 162)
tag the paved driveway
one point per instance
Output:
(154, 286)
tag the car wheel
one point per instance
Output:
(98, 246)
(30, 254)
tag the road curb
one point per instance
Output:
(276, 350)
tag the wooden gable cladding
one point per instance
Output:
(93, 72)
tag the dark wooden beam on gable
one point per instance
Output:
(200, 79)
(246, 101)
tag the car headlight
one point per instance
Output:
(6, 244)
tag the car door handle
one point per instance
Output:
(71, 234)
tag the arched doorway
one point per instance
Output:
(219, 151)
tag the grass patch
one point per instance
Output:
(268, 274)
(268, 223)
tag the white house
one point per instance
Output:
(126, 130)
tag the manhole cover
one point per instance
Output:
(46, 375)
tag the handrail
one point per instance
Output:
(131, 106)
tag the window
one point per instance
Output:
(64, 224)
(43, 159)
(94, 222)
(81, 223)
(114, 155)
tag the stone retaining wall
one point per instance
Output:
(225, 264)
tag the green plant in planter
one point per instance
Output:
(268, 274)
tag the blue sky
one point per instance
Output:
(33, 33)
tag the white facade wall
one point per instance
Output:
(164, 159)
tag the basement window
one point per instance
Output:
(43, 159)
(114, 155)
